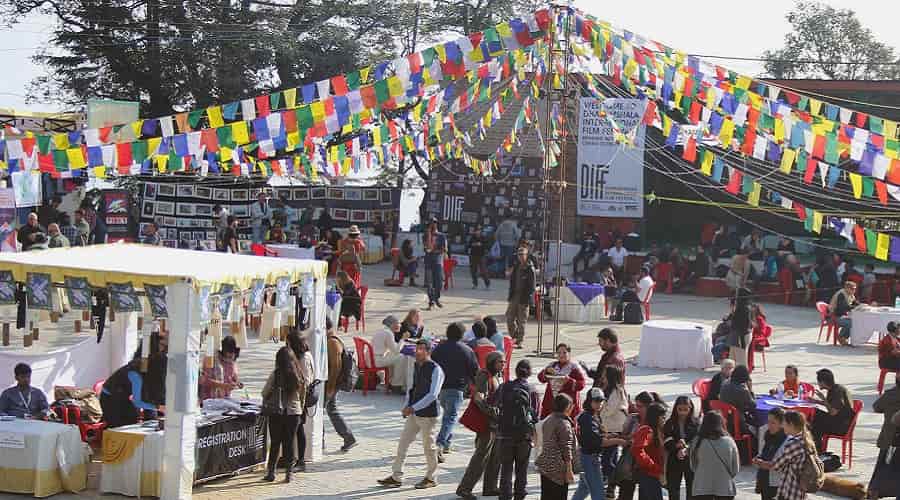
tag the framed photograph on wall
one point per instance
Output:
(203, 192)
(210, 235)
(301, 194)
(185, 191)
(317, 193)
(198, 235)
(165, 207)
(221, 194)
(244, 246)
(283, 194)
(339, 213)
(240, 195)
(185, 209)
(148, 208)
(165, 190)
(170, 243)
(240, 210)
(353, 194)
(202, 209)
(385, 196)
(370, 194)
(150, 190)
(335, 194)
(359, 216)
(208, 245)
(168, 221)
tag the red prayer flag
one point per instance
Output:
(368, 96)
(881, 191)
(649, 113)
(690, 150)
(800, 210)
(46, 164)
(339, 84)
(124, 153)
(859, 234)
(749, 141)
(104, 134)
(734, 182)
(811, 166)
(876, 140)
(28, 145)
(262, 105)
(209, 139)
(694, 116)
(752, 118)
(819, 147)
(861, 119)
(893, 174)
(543, 18)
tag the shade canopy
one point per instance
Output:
(140, 264)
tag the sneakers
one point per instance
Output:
(440, 455)
(491, 493)
(430, 306)
(438, 303)
(426, 483)
(348, 446)
(465, 496)
(390, 482)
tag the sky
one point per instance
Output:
(699, 27)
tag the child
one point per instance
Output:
(767, 481)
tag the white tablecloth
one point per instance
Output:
(571, 308)
(292, 251)
(52, 460)
(675, 345)
(140, 474)
(867, 322)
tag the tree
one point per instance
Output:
(821, 43)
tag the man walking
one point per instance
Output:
(435, 248)
(335, 369)
(518, 403)
(460, 366)
(260, 217)
(420, 413)
(521, 295)
(477, 264)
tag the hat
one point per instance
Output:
(596, 394)
(353, 230)
(390, 321)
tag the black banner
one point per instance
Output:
(226, 446)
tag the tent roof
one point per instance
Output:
(139, 264)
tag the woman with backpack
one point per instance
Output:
(649, 453)
(300, 347)
(679, 430)
(714, 460)
(284, 397)
(794, 460)
(481, 417)
(555, 461)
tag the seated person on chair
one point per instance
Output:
(351, 301)
(123, 394)
(587, 251)
(610, 287)
(387, 351)
(889, 348)
(738, 393)
(408, 263)
(479, 329)
(719, 379)
(617, 255)
(839, 408)
(790, 386)
(842, 302)
(494, 335)
(22, 400)
(412, 324)
(699, 267)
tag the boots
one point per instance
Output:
(288, 475)
(270, 471)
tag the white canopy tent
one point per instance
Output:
(184, 273)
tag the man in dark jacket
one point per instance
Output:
(477, 249)
(887, 404)
(31, 234)
(521, 295)
(515, 443)
(460, 365)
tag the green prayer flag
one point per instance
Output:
(740, 95)
(174, 164)
(224, 136)
(304, 119)
(353, 80)
(60, 160)
(808, 223)
(275, 100)
(43, 144)
(747, 184)
(892, 144)
(139, 151)
(428, 56)
(342, 152)
(732, 76)
(803, 104)
(868, 187)
(382, 93)
(195, 116)
(801, 161)
(766, 121)
(871, 241)
(876, 125)
(831, 153)
(686, 105)
(355, 121)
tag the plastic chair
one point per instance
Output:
(646, 302)
(449, 266)
(882, 375)
(760, 342)
(826, 321)
(395, 264)
(508, 346)
(846, 439)
(365, 361)
(482, 352)
(538, 305)
(345, 320)
(663, 271)
(98, 387)
(729, 412)
(701, 388)
(785, 279)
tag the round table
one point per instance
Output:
(869, 321)
(765, 404)
(292, 251)
(675, 345)
(581, 303)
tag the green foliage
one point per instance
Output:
(824, 37)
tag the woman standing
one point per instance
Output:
(350, 254)
(300, 347)
(773, 442)
(741, 323)
(222, 378)
(351, 301)
(593, 438)
(614, 416)
(714, 459)
(839, 408)
(230, 237)
(283, 400)
(648, 450)
(485, 461)
(574, 381)
(679, 431)
(798, 447)
(642, 403)
(555, 461)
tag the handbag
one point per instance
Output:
(474, 419)
(273, 404)
(624, 470)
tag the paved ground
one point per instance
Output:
(376, 420)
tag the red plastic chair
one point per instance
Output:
(646, 303)
(759, 342)
(882, 375)
(846, 439)
(508, 346)
(538, 305)
(395, 264)
(729, 412)
(345, 320)
(98, 387)
(663, 271)
(786, 280)
(482, 352)
(449, 266)
(826, 321)
(365, 361)
(701, 388)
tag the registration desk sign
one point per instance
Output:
(229, 445)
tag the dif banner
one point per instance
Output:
(610, 175)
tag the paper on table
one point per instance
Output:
(775, 402)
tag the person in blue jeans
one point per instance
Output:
(460, 366)
(593, 440)
(435, 248)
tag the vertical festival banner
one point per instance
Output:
(610, 175)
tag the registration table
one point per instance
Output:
(867, 322)
(291, 251)
(41, 458)
(581, 303)
(765, 404)
(675, 345)
(226, 444)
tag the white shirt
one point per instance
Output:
(617, 256)
(383, 343)
(643, 287)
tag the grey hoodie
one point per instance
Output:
(715, 463)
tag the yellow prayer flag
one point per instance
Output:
(293, 140)
(817, 221)
(882, 246)
(395, 86)
(890, 129)
(290, 97)
(504, 30)
(376, 136)
(214, 113)
(787, 160)
(890, 153)
(726, 133)
(225, 153)
(779, 131)
(136, 127)
(815, 106)
(161, 163)
(100, 172)
(239, 132)
(61, 141)
(441, 52)
(153, 145)
(630, 67)
(753, 197)
(743, 82)
(856, 182)
(677, 98)
(318, 111)
(476, 55)
(706, 166)
(76, 158)
(345, 168)
(710, 98)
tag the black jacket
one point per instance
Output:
(24, 232)
(672, 434)
(590, 433)
(521, 283)
(458, 362)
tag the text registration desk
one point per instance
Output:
(41, 458)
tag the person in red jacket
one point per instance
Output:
(574, 381)
(889, 348)
(647, 448)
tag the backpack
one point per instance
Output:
(346, 380)
(633, 313)
(812, 472)
(516, 414)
